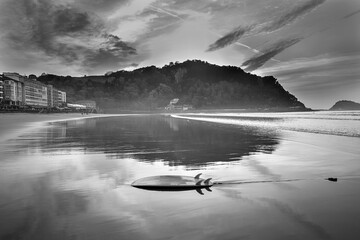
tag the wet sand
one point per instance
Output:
(13, 124)
(71, 180)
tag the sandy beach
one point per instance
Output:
(72, 179)
(13, 124)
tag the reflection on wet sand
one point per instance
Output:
(154, 138)
(71, 180)
(298, 218)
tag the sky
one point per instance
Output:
(311, 46)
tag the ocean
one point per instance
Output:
(72, 179)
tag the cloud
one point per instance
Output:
(267, 54)
(116, 46)
(274, 24)
(113, 54)
(229, 38)
(351, 14)
(320, 80)
(63, 32)
(338, 21)
(134, 65)
(289, 17)
(100, 6)
(260, 59)
(320, 63)
(70, 20)
(317, 72)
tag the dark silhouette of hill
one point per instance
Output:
(345, 105)
(194, 82)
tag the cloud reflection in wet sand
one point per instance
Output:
(298, 218)
(71, 180)
(154, 138)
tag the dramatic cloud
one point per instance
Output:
(69, 20)
(319, 81)
(274, 24)
(320, 65)
(351, 14)
(77, 37)
(99, 6)
(116, 46)
(268, 53)
(111, 52)
(63, 32)
(290, 16)
(229, 38)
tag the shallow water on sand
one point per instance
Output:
(71, 180)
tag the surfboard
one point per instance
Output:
(173, 183)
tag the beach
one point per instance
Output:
(72, 179)
(13, 124)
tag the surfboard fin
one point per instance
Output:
(199, 191)
(206, 182)
(199, 182)
(197, 176)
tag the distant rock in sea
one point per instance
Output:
(345, 105)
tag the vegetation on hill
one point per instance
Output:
(345, 105)
(195, 82)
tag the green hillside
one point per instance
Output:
(195, 82)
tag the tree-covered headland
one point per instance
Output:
(194, 82)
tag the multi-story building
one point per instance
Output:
(1, 89)
(13, 88)
(14, 76)
(50, 93)
(62, 97)
(36, 93)
(9, 91)
(12, 92)
(20, 90)
(58, 97)
(55, 97)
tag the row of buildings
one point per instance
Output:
(18, 90)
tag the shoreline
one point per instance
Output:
(14, 124)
